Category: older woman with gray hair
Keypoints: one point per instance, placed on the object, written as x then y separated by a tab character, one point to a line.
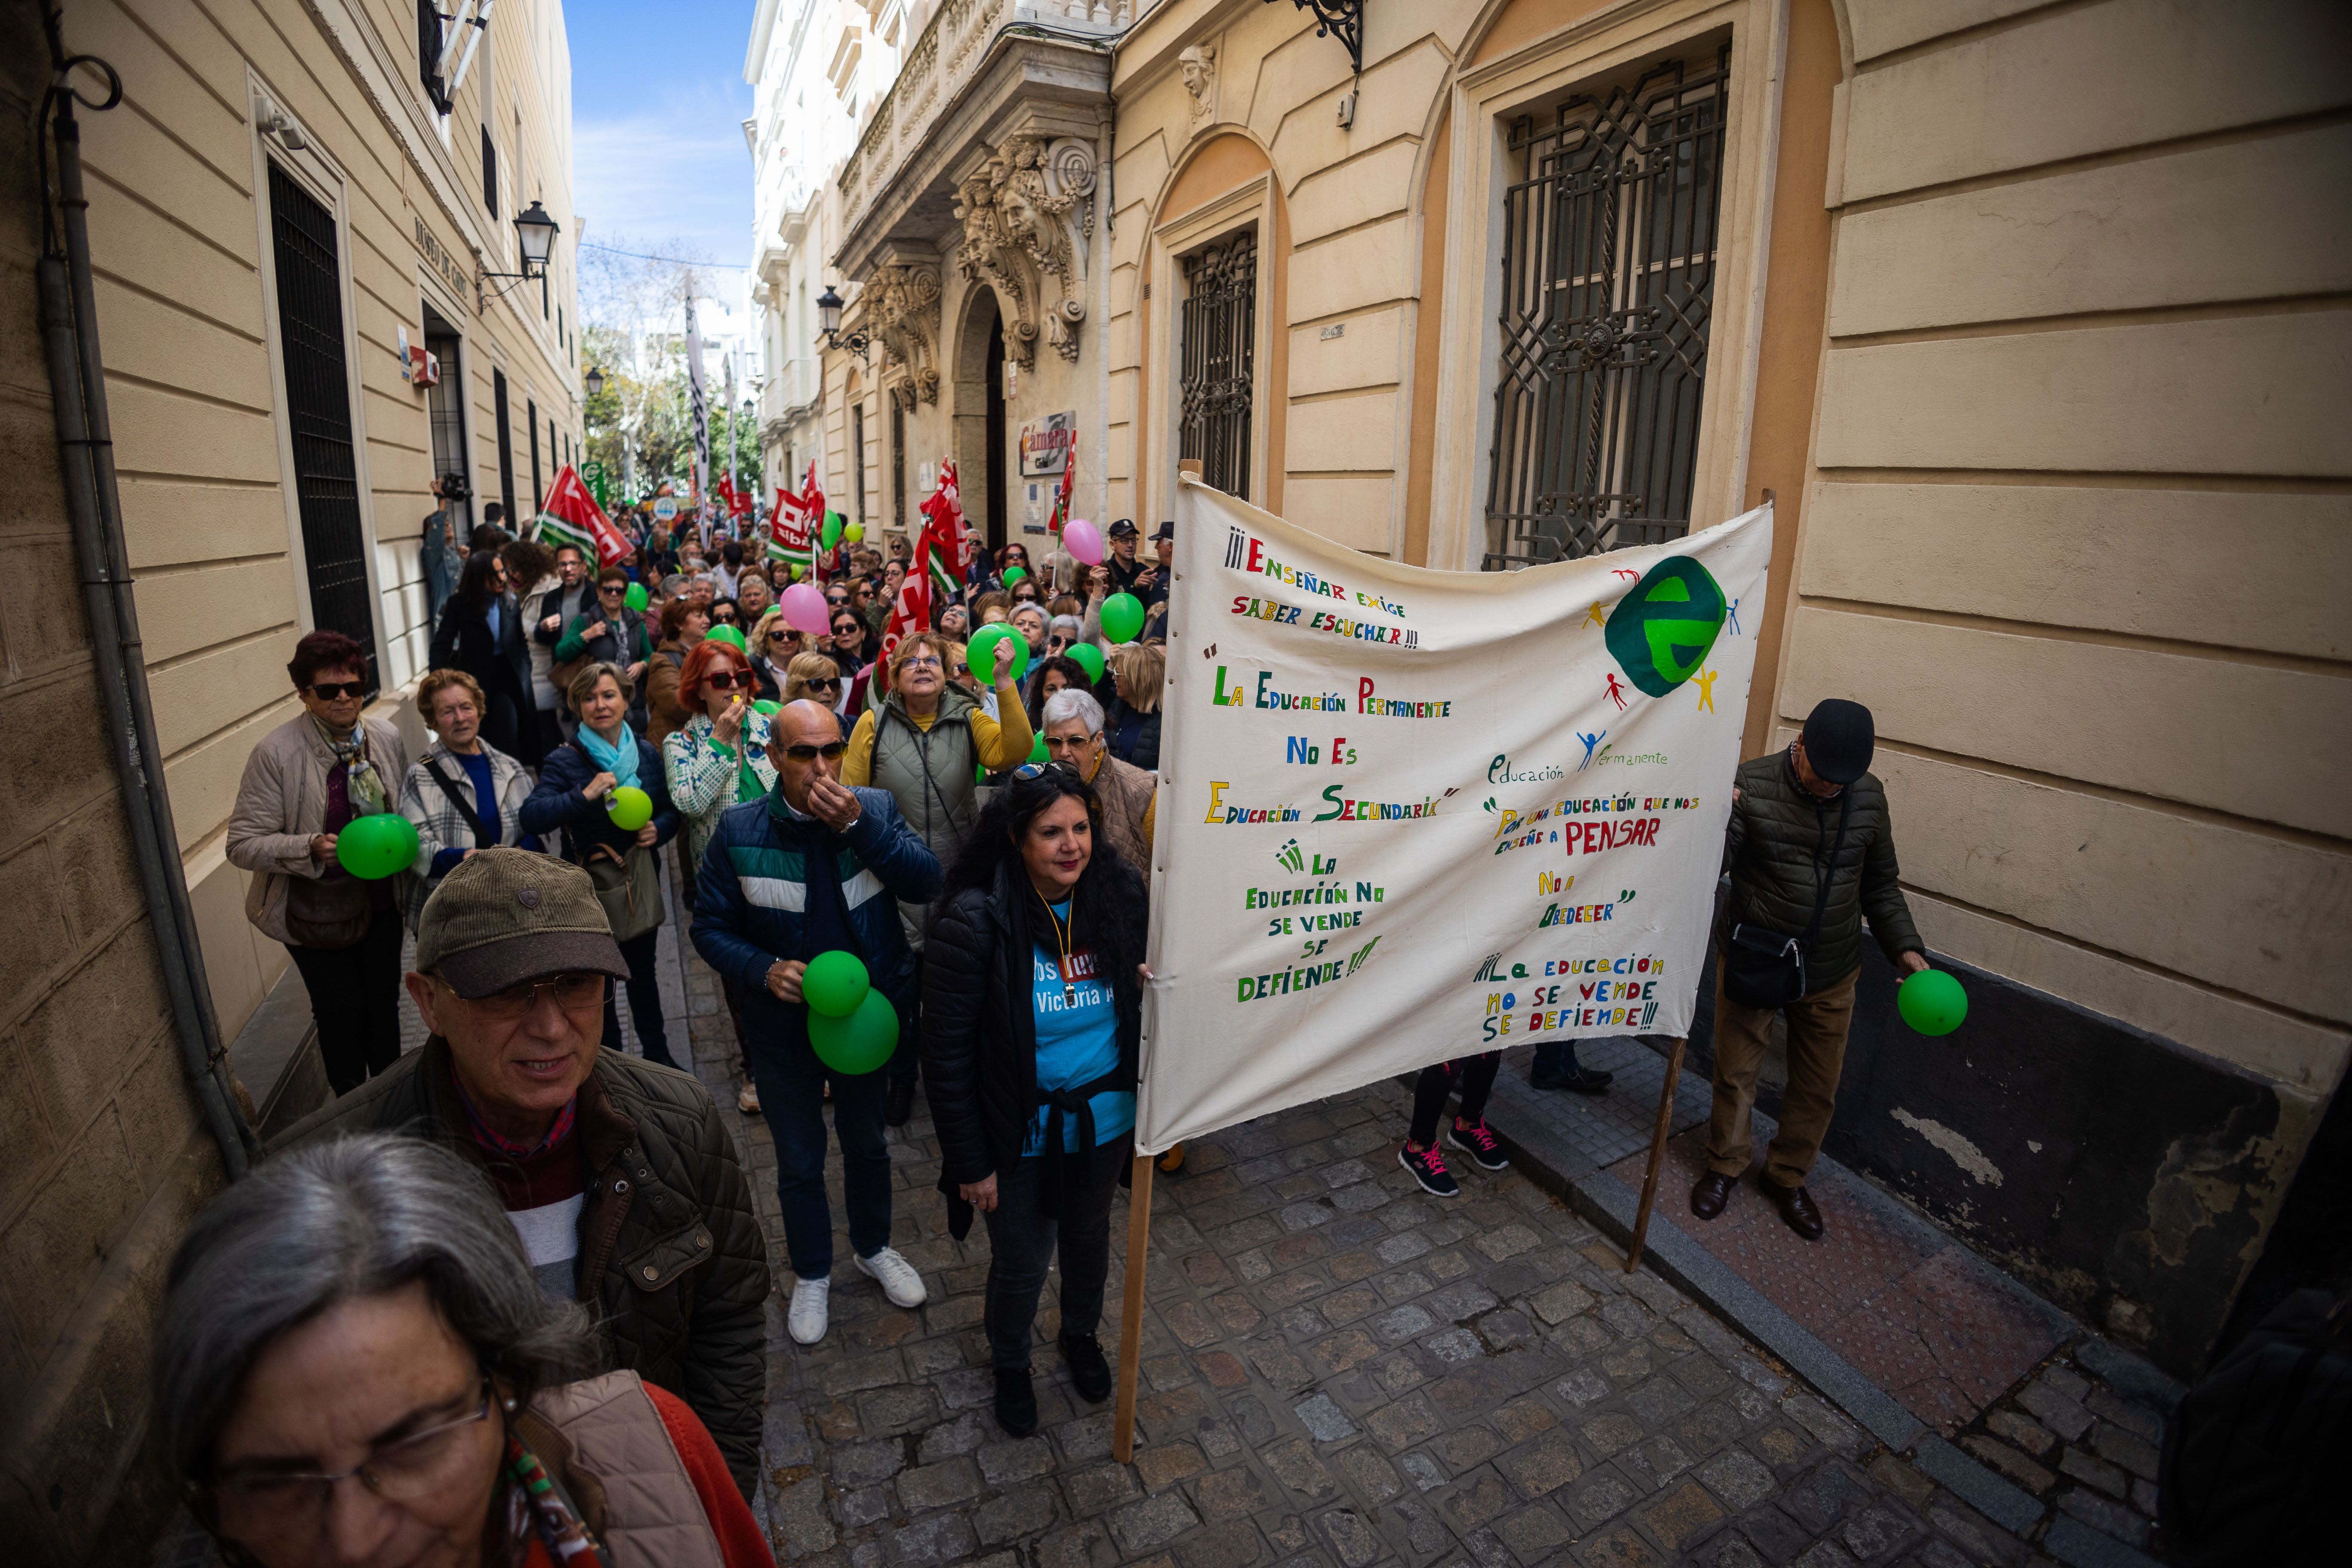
354	1364
1073	727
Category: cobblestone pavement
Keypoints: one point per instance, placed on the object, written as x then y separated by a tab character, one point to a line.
1337	1370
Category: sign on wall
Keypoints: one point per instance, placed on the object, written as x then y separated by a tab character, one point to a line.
1045	445
1407	815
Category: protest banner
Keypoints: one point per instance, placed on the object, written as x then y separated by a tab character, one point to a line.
1406	816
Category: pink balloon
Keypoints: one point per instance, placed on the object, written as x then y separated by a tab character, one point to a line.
805	607
1084	541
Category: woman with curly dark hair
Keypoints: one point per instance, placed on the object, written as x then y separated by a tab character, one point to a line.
1033	1020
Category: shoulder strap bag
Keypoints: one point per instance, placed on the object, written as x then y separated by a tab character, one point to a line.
628	884
1767	968
482	835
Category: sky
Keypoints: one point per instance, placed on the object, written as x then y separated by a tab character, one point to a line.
658	102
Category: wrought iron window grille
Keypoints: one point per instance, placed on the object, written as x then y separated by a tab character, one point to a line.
1217	374
1609	250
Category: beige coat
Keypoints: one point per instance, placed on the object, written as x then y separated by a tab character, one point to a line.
281	804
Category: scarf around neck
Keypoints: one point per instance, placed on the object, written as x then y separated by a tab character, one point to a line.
618	759
364	784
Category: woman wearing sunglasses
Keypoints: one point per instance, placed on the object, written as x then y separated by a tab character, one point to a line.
1033	1017
774	643
302	786
355	1364
815	678
719	760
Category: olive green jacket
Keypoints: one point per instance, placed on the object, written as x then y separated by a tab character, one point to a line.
671	1257
1778	840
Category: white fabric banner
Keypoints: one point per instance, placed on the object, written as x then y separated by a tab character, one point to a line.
1406	816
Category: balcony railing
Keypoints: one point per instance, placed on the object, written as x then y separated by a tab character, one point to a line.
946	58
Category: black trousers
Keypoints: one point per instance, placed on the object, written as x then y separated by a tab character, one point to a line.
355	1001
645	1001
1022	1242
1429	1093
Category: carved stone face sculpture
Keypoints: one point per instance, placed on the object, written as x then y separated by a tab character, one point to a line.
1198	66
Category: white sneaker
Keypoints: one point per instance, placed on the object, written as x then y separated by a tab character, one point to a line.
900	1280
810	1310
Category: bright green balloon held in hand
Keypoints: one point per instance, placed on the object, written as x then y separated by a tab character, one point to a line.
834	984
636	597
860	1043
1089	656
373	848
629	807
1122	617
1661	631
980	653
1932	1001
831	532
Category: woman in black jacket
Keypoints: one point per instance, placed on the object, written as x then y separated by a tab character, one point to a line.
1032	1018
481	634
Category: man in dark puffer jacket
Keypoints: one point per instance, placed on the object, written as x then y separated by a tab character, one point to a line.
618	1174
1793	814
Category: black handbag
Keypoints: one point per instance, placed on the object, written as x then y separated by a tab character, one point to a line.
1763	968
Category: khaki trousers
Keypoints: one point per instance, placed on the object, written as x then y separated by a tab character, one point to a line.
1817	1030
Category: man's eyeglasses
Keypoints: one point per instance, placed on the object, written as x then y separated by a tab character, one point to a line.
328	691
830	751
615	589
290	1505
572	993
729	679
725	617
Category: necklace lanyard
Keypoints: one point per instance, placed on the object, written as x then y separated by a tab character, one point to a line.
1061	939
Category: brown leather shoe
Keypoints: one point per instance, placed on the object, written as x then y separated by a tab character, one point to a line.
1797	1210
1713	1191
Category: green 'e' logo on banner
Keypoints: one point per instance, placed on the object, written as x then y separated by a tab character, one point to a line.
1661	632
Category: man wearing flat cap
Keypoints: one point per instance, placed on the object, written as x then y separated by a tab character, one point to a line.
1810	851
618	1174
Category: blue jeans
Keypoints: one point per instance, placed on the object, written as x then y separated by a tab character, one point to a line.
1554	1058
791	1082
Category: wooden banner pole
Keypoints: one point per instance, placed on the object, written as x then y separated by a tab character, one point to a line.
1658	1136
1130	1317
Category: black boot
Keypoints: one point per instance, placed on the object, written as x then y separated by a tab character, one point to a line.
1016	1401
1089	1372
898	1100
1579	1080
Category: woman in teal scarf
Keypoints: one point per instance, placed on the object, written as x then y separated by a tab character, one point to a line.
576	790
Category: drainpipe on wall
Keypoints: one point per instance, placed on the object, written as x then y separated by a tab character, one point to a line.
86	457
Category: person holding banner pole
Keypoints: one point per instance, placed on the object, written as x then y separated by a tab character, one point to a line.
1032	1027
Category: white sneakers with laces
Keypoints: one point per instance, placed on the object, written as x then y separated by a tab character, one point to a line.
810	1310
898	1278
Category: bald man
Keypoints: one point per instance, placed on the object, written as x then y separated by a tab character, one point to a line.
817	866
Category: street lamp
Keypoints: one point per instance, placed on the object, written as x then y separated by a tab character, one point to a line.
537	233
828	318
595	381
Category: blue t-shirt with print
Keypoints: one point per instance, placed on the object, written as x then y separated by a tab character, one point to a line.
1078	1042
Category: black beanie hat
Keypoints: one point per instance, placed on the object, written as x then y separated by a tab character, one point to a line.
1838	740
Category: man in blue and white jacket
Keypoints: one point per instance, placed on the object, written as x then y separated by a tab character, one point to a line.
816	866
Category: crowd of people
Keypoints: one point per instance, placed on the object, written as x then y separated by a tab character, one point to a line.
981	840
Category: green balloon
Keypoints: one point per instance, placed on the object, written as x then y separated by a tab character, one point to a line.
980	772
855	533
860	1043
1932	1001
629	807
636	597
1014	575
1038	752
980	653
1661	631
830	535
732	636
835	983
1122	617
768	707
1088	655
381	845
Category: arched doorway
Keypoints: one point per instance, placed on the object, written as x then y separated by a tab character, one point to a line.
980	420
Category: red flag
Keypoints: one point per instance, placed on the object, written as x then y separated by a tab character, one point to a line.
1061	492
939	550
572	517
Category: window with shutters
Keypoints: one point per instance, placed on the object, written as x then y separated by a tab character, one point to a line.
1608	243
504	412
319	412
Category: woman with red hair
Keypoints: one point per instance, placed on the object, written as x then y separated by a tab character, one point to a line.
718	759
